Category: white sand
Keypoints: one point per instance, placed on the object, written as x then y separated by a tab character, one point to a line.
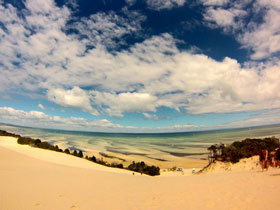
31	178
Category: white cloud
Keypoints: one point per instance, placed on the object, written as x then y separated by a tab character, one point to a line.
224	17
41	106
40	119
105	28
75	98
160	4
125	102
264	38
214	2
164	4
257	28
151	116
142	78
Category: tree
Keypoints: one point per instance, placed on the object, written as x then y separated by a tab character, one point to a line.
67	151
80	154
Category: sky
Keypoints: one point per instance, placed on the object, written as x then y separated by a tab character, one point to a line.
140	65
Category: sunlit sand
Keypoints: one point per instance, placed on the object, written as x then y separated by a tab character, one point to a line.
33	178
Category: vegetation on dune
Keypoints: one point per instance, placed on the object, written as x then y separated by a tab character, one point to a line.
38	143
5	133
137	167
143	168
241	149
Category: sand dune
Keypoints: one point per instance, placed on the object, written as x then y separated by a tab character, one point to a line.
31	178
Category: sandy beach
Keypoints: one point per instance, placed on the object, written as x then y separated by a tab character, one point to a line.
33	178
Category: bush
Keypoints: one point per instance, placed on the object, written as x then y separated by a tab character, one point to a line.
242	149
74	153
5	133
67	151
116	165
93	158
38	143
80	154
143	168
25	140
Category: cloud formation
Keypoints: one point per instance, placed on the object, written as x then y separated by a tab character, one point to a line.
40	119
87	70
164	4
75	98
243	19
160	4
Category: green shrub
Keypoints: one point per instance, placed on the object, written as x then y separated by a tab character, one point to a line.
80	154
74	153
25	140
67	151
143	168
5	133
242	149
93	158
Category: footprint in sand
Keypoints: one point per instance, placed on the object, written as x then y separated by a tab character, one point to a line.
37	204
72	207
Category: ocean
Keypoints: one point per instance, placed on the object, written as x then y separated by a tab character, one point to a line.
164	149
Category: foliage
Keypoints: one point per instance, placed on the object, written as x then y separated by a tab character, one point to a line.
67	151
242	149
38	143
77	154
143	168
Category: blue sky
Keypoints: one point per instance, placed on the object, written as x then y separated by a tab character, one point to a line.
140	65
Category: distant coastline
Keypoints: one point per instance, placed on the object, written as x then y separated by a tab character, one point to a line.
185	150
78	132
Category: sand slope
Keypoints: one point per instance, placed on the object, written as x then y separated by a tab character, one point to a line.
27	182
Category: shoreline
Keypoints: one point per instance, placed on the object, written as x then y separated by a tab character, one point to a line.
152	151
128	150
111	157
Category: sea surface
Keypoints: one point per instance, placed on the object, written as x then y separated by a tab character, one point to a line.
164	147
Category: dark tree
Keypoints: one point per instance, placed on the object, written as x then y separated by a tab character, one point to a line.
67	151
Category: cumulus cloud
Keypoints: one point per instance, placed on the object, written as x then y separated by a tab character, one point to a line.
125	102
224	17
38	55
75	98
40	119
264	39
257	29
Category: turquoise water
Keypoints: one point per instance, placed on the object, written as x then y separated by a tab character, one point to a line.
161	147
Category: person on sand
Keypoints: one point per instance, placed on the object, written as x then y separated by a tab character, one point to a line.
263	154
276	157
